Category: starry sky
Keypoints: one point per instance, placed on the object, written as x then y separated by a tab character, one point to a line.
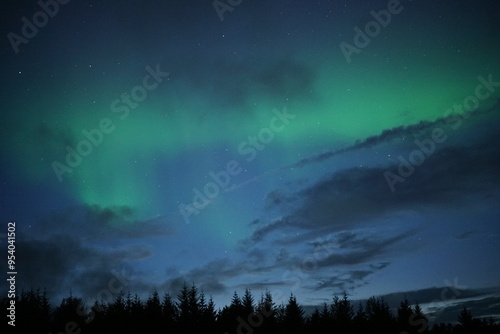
311	147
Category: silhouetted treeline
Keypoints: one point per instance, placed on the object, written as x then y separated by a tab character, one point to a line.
191	312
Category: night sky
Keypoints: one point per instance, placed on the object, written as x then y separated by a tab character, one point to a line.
311	147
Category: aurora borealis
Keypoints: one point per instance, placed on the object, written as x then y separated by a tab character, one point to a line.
248	151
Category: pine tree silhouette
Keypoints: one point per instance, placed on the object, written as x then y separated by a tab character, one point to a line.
72	310
404	313
33	311
468	324
153	313
208	315
267	309
185	310
294	316
192	313
379	317
170	313
247	303
342	313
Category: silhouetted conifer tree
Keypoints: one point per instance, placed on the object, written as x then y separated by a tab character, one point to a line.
96	319
33	312
247	303
404	312
379	317
294	316
153	313
467	323
72	310
137	313
280	314
342	313
418	321
184	309
117	316
208	315
170	313
194	304
360	320
267	309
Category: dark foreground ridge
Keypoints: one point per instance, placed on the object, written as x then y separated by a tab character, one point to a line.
190	312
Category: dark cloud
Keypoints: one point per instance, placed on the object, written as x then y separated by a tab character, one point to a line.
231	85
278	198
466	235
213	275
263	285
93	222
336	262
344	280
260	232
360	195
361	250
287	78
254	222
347	281
208	76
47	263
53	135
343	261
132	252
397	134
62	263
334	203
209	277
332	220
66	251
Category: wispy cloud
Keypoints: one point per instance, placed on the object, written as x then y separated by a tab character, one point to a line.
397	134
359	195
